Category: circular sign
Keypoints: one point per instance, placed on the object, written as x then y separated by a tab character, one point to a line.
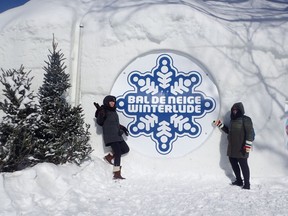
168	102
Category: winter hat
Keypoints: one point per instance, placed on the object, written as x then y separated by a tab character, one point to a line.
108	99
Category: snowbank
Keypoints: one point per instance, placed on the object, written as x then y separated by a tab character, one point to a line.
88	190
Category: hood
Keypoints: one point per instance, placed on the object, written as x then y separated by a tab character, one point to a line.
239	106
106	101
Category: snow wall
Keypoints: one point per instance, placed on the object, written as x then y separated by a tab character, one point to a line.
247	62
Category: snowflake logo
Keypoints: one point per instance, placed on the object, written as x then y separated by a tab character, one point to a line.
165	104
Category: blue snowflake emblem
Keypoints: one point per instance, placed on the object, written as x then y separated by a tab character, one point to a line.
165	104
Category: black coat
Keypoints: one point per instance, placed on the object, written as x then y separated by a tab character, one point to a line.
239	131
108	118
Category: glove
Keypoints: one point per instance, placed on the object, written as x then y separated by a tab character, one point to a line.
247	147
124	129
99	109
218	123
96	105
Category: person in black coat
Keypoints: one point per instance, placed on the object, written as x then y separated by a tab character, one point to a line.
107	117
240	137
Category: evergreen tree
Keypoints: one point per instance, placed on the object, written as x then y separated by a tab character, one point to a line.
17	129
64	135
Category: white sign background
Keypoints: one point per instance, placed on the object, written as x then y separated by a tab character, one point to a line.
184	64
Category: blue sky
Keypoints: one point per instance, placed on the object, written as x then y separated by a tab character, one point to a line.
8	4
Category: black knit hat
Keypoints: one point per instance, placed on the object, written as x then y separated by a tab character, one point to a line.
108	99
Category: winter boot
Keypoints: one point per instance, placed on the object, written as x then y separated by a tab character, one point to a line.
108	158
238	182
246	186
117	172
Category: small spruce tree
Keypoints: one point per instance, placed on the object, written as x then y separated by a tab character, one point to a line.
17	129
64	135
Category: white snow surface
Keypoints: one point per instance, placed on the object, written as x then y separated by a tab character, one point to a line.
244	46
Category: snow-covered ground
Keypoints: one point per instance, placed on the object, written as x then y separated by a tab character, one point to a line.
243	45
88	191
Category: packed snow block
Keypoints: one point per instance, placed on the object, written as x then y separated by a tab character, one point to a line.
242	57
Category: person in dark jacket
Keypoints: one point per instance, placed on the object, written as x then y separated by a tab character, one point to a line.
240	137
108	118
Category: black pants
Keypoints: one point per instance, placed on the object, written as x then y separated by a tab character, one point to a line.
243	162
119	148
